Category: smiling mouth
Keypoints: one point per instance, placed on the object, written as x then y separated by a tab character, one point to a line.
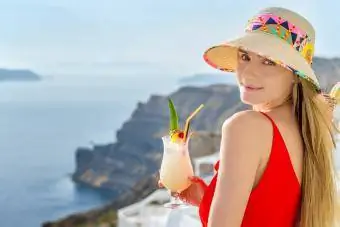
251	88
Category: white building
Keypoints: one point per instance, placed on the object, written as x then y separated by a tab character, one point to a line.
146	213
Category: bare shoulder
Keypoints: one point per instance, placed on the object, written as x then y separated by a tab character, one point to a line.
250	131
247	121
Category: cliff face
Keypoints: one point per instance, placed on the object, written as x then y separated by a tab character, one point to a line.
129	167
327	71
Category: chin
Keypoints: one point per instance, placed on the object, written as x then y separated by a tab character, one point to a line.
251	100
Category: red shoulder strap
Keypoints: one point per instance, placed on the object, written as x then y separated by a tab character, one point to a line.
271	120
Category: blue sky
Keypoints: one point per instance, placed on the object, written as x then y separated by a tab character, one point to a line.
104	36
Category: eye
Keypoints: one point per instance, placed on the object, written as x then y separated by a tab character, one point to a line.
269	62
245	57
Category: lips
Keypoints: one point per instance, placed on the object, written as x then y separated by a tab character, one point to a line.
252	88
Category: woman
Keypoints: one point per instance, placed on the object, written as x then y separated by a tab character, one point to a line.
276	163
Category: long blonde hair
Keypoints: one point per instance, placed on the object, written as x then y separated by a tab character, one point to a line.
319	195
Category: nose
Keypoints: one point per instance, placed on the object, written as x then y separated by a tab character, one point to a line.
249	72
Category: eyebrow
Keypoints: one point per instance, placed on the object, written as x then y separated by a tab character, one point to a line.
243	51
263	58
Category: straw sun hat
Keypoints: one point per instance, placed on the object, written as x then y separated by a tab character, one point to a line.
276	33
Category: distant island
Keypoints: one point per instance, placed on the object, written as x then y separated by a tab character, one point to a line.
18	75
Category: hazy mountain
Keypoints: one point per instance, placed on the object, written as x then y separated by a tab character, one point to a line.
204	79
18	75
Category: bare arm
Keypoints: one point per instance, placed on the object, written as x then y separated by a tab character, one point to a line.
245	137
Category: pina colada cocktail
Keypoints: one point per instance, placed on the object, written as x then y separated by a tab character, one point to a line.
176	165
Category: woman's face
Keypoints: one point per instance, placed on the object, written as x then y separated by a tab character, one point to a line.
262	81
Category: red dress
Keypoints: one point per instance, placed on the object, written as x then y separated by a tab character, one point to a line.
275	201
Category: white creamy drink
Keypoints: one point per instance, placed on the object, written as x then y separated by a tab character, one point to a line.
176	166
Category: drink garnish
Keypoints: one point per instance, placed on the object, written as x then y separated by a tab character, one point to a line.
175	133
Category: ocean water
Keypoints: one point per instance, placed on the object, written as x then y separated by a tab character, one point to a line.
41	125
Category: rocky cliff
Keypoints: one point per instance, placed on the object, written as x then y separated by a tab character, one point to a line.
327	70
129	167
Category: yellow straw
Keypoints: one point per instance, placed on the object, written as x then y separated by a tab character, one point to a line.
187	122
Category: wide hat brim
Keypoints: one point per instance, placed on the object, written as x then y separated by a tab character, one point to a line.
224	56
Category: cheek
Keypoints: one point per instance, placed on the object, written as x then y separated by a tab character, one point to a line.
238	76
240	69
279	86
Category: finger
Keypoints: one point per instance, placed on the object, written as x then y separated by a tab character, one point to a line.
185	199
194	179
181	197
